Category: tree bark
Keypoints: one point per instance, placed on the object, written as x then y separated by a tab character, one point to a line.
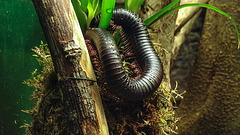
211	104
83	105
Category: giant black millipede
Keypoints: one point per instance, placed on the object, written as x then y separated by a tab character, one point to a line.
134	32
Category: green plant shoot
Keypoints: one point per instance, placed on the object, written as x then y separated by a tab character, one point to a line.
133	5
106	13
84	4
93	9
81	15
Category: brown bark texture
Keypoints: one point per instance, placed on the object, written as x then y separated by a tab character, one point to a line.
83	107
212	102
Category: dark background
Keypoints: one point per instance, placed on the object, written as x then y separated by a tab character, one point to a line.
20	31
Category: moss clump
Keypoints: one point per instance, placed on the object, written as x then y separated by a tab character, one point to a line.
48	108
154	115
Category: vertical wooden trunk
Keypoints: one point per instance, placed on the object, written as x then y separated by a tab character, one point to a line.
81	98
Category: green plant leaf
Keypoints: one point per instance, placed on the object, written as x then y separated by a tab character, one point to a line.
216	9
90	13
133	5
92	7
83	4
97	6
81	16
117	37
106	13
159	14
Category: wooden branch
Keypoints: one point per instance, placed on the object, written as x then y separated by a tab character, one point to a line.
83	105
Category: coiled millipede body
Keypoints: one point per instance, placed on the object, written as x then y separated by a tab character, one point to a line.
135	38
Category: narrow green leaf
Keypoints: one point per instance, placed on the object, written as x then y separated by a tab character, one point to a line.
84	4
95	3
116	37
81	16
90	13
158	15
155	17
127	2
133	5
93	8
106	13
99	7
236	31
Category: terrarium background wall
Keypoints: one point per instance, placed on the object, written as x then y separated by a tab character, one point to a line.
20	31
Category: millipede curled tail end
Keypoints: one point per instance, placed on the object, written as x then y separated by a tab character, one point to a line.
134	33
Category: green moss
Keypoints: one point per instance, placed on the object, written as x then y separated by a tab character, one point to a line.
48	108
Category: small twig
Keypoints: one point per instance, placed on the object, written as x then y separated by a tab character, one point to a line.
164	124
172	121
79	78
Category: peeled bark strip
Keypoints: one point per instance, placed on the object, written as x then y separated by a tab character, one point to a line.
186	19
83	105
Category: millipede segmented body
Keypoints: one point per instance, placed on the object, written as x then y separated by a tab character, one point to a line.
135	38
